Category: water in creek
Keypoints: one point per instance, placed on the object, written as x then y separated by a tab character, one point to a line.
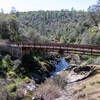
62	64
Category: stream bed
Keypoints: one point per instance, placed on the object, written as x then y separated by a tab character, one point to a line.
61	65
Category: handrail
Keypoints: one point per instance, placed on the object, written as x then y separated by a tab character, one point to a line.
58	45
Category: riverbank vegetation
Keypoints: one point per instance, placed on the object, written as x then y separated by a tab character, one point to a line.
20	75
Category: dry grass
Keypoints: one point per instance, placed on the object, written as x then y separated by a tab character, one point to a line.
51	88
88	89
48	91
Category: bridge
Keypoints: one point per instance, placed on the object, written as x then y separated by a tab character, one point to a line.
17	49
58	47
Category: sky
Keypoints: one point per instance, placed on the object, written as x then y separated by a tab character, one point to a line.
31	5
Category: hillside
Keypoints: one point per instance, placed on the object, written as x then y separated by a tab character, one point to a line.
51	26
60	26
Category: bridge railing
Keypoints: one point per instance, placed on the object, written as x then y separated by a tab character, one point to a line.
57	45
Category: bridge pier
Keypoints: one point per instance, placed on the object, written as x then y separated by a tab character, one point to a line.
16	52
25	50
61	51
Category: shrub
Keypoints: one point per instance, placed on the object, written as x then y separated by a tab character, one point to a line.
85	57
11	75
48	91
90	61
59	81
25	79
29	65
97	61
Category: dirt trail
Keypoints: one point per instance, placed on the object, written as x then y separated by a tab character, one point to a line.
88	89
84	87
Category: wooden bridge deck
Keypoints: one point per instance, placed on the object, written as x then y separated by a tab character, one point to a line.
66	48
16	49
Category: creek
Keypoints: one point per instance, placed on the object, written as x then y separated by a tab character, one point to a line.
59	66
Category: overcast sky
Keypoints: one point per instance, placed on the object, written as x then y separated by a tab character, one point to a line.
30	5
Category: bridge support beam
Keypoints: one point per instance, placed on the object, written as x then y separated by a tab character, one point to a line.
26	51
61	51
16	52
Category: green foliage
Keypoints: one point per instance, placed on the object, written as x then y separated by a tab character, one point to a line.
29	65
6	66
90	61
60	26
93	30
97	61
56	26
96	72
51	26
9	26
85	57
